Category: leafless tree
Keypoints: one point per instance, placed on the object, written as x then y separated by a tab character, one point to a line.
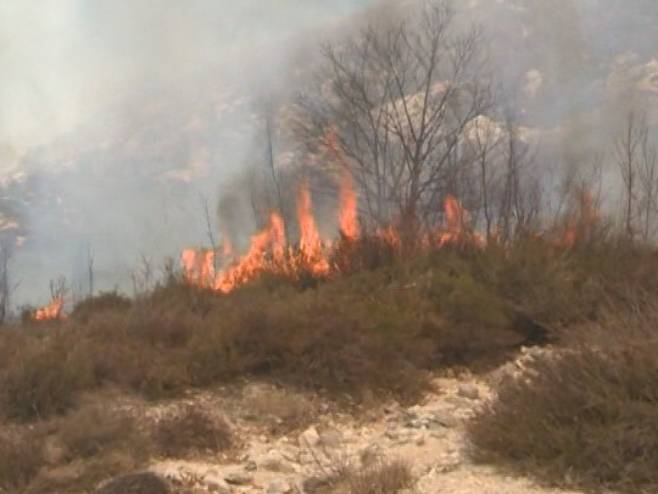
5	288
631	150
90	269
484	140
648	175
519	198
210	231
398	96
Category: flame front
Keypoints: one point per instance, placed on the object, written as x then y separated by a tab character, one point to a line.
255	261
268	250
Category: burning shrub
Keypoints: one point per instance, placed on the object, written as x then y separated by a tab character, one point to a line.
586	416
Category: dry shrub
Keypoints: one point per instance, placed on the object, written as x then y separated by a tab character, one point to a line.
282	411
136	483
192	431
587	416
96	429
100	304
21	458
317	340
381	477
43	378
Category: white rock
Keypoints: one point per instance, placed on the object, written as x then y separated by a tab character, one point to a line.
470	391
278	487
238	478
309	438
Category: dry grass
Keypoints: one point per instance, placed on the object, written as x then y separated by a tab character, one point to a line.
71	454
381	477
282	411
21	458
192	431
374	331
587	417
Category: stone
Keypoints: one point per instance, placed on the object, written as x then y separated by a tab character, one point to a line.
135	483
238	478
278	487
468	390
309	438
445	419
251	466
274	461
332	438
218	486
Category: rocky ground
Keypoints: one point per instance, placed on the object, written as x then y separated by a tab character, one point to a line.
289	442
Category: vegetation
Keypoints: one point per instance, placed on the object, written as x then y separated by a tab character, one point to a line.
586	416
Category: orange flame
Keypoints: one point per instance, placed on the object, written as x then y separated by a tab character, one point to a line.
457	231
50	312
582	221
349	222
268	250
310	244
254	261
198	266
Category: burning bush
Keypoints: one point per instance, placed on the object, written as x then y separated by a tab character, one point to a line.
586	416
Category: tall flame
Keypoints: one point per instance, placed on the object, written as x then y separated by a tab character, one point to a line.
457	231
349	222
254	261
268	251
198	266
310	244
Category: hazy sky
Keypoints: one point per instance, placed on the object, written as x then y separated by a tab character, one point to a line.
64	61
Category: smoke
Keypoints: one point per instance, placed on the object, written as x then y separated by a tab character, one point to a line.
117	119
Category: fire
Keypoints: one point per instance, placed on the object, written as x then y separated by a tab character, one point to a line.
198	266
50	312
254	261
310	245
582	221
268	250
349	222
457	231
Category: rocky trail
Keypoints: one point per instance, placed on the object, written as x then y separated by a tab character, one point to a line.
428	436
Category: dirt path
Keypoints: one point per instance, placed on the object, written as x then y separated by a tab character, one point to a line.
428	436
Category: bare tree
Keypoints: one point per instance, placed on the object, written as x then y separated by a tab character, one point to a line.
399	95
5	288
484	140
648	175
90	269
210	231
519	198
629	153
